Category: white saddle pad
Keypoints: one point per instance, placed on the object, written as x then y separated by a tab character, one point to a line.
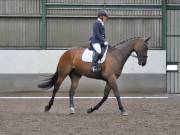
87	56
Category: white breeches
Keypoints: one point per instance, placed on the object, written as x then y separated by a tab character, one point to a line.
97	47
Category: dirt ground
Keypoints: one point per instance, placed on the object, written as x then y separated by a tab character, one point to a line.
146	117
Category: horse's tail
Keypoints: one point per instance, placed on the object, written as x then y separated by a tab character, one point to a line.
49	82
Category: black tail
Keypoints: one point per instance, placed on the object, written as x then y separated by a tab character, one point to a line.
49	82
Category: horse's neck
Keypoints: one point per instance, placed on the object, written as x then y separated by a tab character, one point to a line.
125	50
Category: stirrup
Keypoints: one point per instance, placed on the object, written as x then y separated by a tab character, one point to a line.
95	68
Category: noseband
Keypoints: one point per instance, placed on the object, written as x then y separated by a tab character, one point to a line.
139	56
142	56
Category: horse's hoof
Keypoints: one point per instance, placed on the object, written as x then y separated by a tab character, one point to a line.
124	113
46	108
90	110
72	110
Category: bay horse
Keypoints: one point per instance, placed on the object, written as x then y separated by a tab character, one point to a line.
70	64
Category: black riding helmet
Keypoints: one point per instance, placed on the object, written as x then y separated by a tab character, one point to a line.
103	13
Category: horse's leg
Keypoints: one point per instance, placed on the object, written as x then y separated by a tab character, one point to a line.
74	84
106	93
56	87
113	84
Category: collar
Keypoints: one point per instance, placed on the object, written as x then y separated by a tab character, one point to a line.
100	21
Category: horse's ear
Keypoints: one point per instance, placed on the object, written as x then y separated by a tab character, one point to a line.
147	39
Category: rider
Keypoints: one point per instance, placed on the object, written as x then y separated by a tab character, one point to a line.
98	38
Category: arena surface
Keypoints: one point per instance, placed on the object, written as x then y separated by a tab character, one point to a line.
146	117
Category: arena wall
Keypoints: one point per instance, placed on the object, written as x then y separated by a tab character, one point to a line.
22	70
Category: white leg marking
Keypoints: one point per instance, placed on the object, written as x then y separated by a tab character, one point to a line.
72	110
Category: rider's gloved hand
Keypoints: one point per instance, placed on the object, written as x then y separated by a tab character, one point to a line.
106	43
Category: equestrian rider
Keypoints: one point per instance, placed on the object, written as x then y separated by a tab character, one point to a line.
98	39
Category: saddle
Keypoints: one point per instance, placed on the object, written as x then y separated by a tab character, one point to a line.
87	55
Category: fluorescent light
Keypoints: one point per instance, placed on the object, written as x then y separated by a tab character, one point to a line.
173	67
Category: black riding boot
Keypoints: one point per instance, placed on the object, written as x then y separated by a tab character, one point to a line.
95	67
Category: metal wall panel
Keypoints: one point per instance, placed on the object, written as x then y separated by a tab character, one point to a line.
68	32
71	12
62	27
120	29
173	40
108	1
77	1
19	25
20	7
173	82
173	50
173	1
19	32
133	1
122	25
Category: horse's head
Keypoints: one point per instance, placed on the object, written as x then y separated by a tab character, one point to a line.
141	49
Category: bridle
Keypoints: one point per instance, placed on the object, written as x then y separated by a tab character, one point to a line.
141	56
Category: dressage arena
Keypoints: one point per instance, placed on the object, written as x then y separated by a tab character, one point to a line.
146	117
34	34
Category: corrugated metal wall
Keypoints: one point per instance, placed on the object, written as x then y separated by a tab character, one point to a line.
173	49
73	27
19	32
173	1
67	32
109	1
173	85
19	7
20	23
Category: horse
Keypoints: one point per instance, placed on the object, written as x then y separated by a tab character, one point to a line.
70	64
